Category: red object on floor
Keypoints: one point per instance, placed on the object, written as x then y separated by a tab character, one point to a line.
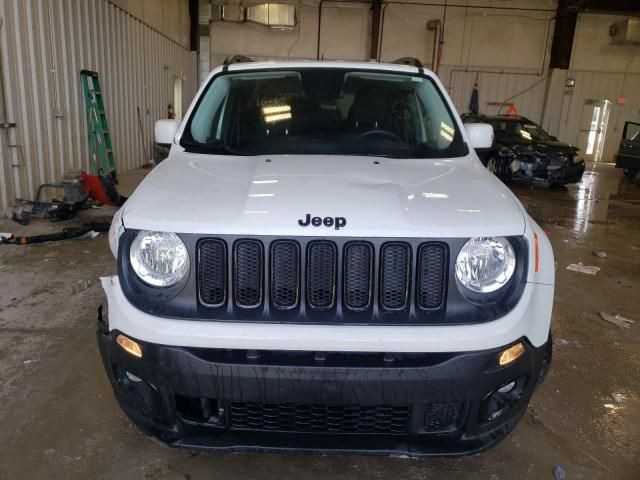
93	186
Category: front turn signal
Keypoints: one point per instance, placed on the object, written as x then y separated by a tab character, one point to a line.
130	346
511	354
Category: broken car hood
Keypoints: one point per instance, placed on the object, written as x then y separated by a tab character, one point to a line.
377	197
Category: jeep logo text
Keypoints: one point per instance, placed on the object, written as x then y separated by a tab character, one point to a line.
335	222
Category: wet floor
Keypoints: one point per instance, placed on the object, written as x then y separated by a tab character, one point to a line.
58	417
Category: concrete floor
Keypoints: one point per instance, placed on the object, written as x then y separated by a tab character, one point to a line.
59	419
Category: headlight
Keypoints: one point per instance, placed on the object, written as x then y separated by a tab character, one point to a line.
160	259
485	264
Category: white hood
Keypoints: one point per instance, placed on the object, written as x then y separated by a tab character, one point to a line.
378	197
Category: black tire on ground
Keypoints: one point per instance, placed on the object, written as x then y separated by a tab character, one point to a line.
630	172
494	166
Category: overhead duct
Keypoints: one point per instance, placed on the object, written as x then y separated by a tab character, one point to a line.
279	14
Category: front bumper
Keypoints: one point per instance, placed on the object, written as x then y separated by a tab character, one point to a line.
246	400
563	175
570	174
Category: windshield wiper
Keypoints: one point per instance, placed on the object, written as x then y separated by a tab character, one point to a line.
216	148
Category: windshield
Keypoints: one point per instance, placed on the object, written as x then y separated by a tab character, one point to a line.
323	111
517	131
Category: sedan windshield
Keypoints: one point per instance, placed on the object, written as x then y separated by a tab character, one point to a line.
518	131
323	111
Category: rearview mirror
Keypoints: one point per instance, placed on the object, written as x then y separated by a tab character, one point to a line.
165	131
480	135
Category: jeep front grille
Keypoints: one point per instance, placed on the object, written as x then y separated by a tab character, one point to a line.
358	275
248	268
212	272
285	274
432	260
308	277
321	275
395	261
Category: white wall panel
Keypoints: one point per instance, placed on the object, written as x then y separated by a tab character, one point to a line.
600	86
45	44
494	88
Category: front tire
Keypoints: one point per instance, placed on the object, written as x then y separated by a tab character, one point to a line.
492	166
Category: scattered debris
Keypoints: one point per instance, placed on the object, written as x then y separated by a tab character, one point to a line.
600	253
617	397
559	473
633	247
27	362
617	320
83	285
535	418
65	234
6	235
579	267
561	342
91	234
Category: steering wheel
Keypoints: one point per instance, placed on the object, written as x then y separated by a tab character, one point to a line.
394	137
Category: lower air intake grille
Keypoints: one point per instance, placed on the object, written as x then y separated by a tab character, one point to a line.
321	275
285	273
432	264
395	260
384	419
247	274
212	272
442	416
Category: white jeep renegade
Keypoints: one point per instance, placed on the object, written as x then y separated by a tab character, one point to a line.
323	263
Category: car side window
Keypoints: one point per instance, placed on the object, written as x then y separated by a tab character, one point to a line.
632	132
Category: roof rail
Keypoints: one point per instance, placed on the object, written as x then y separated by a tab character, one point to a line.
231	59
414	62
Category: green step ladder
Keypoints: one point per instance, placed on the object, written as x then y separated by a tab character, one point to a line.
102	161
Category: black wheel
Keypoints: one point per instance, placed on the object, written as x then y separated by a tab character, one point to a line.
492	166
630	172
499	169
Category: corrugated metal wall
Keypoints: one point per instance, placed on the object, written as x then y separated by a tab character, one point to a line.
45	44
494	88
600	86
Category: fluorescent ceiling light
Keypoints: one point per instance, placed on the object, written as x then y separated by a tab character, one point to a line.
277	117
276	109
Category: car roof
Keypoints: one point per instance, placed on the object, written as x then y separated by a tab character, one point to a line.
389	67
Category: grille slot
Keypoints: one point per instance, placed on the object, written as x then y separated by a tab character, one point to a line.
285	274
440	417
432	265
321	275
248	270
358	275
212	272
395	265
288	417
